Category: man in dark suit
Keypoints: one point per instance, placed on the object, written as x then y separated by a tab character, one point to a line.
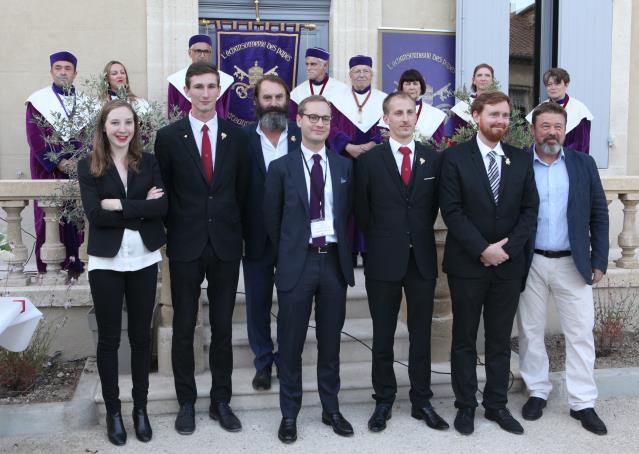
203	164
307	202
270	138
489	202
568	253
396	207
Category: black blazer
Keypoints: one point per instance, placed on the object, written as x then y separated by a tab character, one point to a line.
107	227
393	216
199	212
474	220
255	235
287	214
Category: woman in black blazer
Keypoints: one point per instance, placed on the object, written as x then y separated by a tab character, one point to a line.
123	199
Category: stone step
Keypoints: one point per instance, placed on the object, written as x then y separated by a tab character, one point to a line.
356	304
351	350
355	388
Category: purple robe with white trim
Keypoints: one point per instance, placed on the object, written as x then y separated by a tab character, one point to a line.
42	168
579	138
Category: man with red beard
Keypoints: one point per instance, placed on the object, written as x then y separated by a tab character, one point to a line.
489	202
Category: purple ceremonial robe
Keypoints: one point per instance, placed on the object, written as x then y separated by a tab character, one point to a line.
175	98
43	169
343	132
579	138
439	133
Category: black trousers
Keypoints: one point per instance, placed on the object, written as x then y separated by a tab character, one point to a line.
323	281
108	289
498	298
384	300
186	281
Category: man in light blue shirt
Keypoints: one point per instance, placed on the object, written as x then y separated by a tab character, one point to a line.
568	253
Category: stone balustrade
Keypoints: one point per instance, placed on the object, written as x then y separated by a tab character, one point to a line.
16	195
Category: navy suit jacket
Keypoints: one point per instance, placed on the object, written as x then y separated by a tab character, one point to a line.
587	214
287	214
255	235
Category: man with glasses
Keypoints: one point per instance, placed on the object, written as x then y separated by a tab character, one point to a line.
355	129
200	49
307	202
556	81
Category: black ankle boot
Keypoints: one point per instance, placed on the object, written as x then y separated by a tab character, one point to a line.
142	425
115	428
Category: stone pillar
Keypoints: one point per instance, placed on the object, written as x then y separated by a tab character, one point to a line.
627	238
169	26
83	253
14	208
354	25
52	252
442	327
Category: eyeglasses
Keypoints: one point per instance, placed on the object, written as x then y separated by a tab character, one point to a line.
201	51
358	72
314	118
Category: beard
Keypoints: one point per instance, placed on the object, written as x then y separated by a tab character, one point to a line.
493	133
273	118
550	150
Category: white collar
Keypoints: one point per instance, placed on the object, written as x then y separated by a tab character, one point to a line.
197	124
308	154
485	149
395	145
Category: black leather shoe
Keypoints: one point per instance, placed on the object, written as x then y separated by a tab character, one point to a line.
262	379
430	417
505	420
185	420
115	428
532	409
340	425
287	432
590	421
465	420
377	421
221	411
143	431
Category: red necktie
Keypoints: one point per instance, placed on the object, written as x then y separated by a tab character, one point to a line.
406	164
207	155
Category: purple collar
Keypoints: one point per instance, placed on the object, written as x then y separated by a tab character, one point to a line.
60	90
321	82
418	102
361	92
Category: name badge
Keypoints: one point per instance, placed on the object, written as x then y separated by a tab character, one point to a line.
321	227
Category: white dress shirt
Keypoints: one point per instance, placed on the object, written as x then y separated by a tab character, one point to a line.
328	187
196	127
399	157
270	152
485	149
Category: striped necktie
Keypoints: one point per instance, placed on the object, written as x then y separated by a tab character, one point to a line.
493	175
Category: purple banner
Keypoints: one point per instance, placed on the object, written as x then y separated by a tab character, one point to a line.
249	55
430	53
